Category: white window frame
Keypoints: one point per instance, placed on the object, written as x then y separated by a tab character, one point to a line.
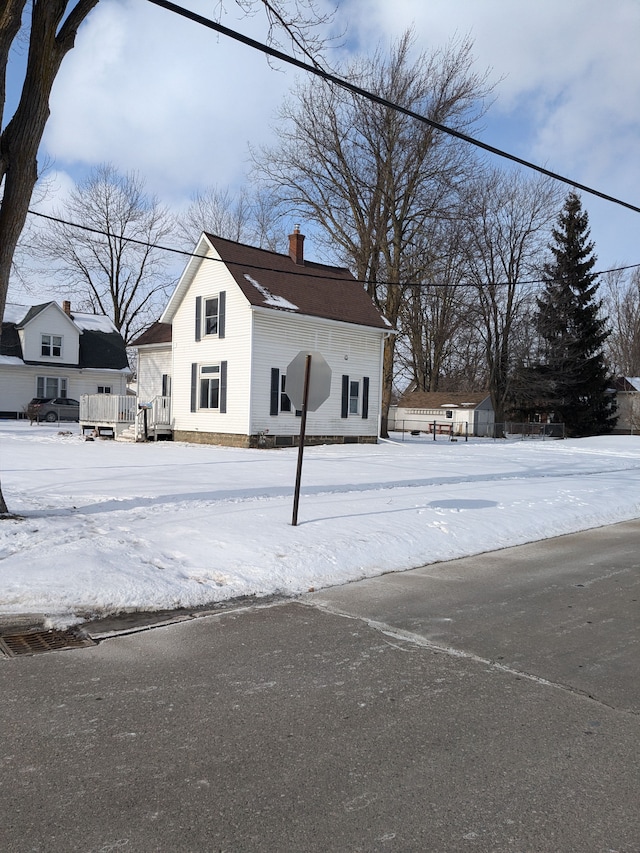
209	374
212	318
285	402
51	343
354	397
104	389
43	382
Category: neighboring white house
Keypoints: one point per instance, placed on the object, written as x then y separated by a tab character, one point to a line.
48	351
456	414
238	316
628	401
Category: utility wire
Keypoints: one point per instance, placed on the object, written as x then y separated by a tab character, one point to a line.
260	268
277	54
357	90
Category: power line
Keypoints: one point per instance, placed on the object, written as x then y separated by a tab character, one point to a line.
260	268
357	90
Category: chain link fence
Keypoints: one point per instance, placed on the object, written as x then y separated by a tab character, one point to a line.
463	430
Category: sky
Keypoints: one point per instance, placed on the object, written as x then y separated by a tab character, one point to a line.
107	526
159	95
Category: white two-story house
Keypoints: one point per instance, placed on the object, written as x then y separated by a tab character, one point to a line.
48	351
238	316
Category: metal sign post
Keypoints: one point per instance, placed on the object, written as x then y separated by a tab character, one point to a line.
307	385
303	424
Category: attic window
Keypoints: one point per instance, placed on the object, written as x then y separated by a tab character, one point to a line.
211	316
51	346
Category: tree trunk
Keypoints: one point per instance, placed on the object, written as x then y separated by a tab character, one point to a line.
20	140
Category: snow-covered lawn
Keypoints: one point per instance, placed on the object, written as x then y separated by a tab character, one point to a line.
109	526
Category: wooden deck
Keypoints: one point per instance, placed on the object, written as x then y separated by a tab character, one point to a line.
125	418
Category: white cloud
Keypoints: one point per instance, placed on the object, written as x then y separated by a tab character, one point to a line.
152	92
567	87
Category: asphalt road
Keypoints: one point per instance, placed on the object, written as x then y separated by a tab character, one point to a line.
487	704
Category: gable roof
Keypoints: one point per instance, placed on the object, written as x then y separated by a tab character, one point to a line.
442	399
157	333
627	383
275	282
100	344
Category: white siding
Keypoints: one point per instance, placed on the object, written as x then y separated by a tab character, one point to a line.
50	321
235	348
18	383
153	363
349	351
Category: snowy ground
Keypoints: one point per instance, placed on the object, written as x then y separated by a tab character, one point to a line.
108	526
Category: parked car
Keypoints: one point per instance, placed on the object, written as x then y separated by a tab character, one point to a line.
53	409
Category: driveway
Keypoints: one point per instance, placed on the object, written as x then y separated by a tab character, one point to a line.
488	704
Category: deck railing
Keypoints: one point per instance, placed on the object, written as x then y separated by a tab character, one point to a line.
115	409
108	408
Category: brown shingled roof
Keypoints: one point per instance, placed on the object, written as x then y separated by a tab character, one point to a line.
158	333
274	281
442	399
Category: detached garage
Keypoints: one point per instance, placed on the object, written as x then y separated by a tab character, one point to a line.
455	414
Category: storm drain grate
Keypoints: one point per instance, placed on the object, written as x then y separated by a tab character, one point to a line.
36	642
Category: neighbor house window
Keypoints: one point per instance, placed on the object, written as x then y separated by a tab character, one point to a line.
51	345
51	386
104	389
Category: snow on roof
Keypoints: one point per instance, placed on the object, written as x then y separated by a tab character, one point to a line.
269	298
14	313
10	359
634	380
93	323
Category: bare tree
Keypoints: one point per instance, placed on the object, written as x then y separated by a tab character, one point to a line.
434	316
622	303
509	222
372	178
51	30
244	217
112	265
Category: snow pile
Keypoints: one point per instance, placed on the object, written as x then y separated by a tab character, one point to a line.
109	526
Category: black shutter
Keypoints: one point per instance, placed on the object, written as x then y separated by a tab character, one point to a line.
194	387
275	391
223	387
198	318
365	396
222	310
345	397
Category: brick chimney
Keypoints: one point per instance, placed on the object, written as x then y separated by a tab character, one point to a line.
296	243
66	307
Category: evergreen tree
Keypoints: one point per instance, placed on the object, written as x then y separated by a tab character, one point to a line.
571	379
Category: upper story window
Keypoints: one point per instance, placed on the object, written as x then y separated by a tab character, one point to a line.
210	316
51	346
